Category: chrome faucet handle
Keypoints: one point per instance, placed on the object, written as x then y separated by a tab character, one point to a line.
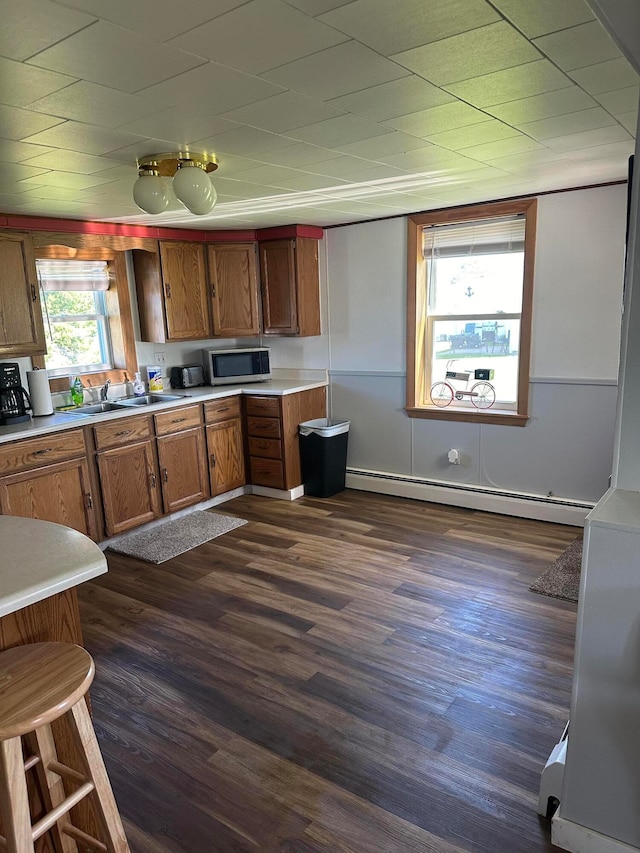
105	390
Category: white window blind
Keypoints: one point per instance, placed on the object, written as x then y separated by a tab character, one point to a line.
73	275
477	237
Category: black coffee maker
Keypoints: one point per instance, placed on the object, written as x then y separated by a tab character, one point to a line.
14	400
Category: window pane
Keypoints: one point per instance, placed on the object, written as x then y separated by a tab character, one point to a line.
476	284
469	345
65	303
76	331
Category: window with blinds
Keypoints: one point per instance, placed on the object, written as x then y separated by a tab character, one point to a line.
75	315
472	285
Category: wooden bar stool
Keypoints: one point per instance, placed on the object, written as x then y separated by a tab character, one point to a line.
40	683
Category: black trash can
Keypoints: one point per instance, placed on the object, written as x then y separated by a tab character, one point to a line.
323	454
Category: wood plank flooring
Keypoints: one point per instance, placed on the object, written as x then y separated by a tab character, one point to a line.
360	673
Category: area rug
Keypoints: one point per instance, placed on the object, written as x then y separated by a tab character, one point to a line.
167	540
562	578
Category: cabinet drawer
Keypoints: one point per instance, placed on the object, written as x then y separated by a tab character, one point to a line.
178	419
263	406
269	447
28	453
267	472
122	431
264	427
222	410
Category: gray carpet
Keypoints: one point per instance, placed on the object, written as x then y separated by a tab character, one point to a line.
562	578
167	540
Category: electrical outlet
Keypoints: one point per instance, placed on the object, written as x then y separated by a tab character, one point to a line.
160	358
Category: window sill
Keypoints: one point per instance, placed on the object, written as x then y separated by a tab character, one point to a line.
499	417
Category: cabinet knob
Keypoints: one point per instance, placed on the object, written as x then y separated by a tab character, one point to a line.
152	479
124	432
213	460
165	475
89	501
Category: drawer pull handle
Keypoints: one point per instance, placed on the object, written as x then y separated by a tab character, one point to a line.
89	501
124	432
178	420
152	478
167	290
43	451
213	460
225	409
165	475
34	295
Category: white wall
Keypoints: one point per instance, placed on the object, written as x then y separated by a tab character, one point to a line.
566	448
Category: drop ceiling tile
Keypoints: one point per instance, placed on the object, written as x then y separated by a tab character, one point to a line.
67	179
391	143
94	104
376	172
606	76
180	125
141	148
336	71
19	172
527	159
221	89
600	152
140	63
339	167
284	112
576	47
18	152
307	182
12	202
259	35
393	27
544	16
62	193
431	159
481	51
266	175
143	15
298	155
49	207
86	138
72	161
231	164
501	148
242	141
438	119
629	121
19	124
620	101
570	123
550	104
20	84
396	98
512	84
30	26
476	134
599	136
339	131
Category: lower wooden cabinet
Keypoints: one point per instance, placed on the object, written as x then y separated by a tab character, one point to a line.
130	488
48	478
183	469
226	456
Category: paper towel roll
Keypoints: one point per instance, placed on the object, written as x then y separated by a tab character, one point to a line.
40	393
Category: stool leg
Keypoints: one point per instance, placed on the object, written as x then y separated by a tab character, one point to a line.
14	799
52	791
95	771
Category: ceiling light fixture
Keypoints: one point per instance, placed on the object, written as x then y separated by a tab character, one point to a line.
191	183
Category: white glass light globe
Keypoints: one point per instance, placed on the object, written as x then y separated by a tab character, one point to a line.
150	194
194	189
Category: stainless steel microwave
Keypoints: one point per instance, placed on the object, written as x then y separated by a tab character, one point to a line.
235	366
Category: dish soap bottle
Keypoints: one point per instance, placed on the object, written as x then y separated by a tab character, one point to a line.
138	386
77	392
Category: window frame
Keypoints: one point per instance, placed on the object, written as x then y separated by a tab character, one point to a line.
418	404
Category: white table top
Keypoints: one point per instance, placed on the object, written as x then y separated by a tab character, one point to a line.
39	559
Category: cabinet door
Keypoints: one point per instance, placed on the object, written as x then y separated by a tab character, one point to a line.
21	328
129	482
277	269
226	456
185	291
183	469
234	289
60	493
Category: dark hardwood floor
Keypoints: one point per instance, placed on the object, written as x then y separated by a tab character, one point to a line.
360	673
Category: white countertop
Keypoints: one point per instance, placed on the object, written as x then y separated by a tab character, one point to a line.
39	559
66	420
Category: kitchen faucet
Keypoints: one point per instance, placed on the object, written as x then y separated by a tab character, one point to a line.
105	390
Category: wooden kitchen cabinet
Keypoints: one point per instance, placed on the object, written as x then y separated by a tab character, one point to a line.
182	458
21	327
290	287
171	286
48	478
128	473
272	435
233	276
225	445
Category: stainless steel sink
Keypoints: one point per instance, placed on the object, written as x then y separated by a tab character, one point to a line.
147	400
95	408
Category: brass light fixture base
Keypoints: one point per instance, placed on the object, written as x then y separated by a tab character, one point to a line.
166	165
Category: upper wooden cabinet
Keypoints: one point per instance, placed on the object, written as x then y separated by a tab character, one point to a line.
290	287
233	275
21	328
172	292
